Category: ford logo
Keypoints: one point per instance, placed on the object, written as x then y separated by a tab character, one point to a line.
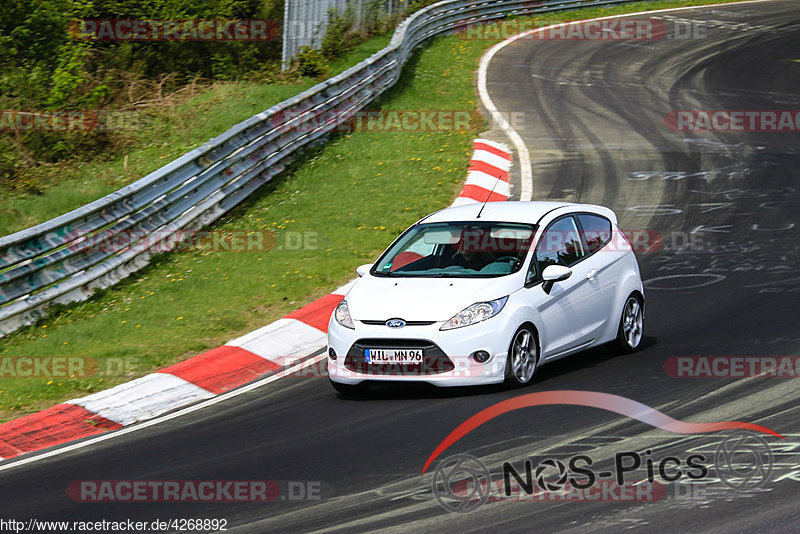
395	323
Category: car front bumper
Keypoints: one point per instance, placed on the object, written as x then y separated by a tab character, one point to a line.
448	351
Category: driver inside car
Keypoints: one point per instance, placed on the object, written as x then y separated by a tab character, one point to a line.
469	253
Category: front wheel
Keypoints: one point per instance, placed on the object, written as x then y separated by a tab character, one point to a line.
631	325
523	356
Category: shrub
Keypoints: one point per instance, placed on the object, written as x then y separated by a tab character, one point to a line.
336	38
311	62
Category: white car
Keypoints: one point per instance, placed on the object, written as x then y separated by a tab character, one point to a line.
482	294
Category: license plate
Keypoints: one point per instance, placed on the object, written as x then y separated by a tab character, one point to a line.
376	356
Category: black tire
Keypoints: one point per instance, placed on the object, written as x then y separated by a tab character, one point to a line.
350	390
631	325
516	374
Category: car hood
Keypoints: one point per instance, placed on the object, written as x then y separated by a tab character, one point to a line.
374	298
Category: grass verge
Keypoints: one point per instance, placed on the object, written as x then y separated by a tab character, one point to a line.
175	127
347	199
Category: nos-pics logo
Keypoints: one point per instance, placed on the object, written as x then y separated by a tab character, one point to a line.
461	483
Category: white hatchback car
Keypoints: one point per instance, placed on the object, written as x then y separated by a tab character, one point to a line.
482	294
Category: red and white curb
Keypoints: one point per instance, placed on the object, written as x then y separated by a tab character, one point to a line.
269	349
266	350
488	176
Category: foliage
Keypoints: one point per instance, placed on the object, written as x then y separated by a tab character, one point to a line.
336	33
43	68
311	62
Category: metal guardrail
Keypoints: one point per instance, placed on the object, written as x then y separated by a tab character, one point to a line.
55	262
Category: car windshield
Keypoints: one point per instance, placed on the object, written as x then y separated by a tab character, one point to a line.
457	249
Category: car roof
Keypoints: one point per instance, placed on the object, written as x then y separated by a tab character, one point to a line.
512	211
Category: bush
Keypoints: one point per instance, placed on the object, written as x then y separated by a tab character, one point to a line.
376	19
43	68
335	41
311	62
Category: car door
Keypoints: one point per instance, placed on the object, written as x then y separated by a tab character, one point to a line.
572	313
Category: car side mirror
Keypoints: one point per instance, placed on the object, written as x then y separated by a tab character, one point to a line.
553	274
361	270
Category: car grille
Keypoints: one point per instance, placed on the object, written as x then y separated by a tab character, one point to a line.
434	360
408	323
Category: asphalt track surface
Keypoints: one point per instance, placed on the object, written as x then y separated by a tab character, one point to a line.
594	124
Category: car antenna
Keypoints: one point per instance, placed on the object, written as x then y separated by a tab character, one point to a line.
487	198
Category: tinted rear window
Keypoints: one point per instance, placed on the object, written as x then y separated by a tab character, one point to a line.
596	230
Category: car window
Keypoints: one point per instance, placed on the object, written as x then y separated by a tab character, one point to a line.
458	249
417	248
560	244
596	231
532	273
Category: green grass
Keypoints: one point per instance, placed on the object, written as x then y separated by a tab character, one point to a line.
354	195
171	133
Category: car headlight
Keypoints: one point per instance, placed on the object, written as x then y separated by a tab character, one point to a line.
480	311
342	315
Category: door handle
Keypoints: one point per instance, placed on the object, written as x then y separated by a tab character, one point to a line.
591	274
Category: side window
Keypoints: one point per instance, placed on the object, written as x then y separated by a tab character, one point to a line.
560	244
596	231
532	272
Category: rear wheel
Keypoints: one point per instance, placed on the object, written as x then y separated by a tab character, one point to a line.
523	357
631	325
350	390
